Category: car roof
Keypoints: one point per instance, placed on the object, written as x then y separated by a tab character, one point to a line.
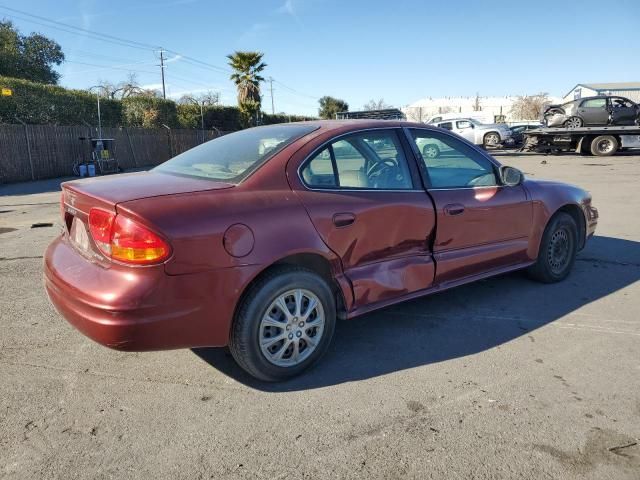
341	126
597	97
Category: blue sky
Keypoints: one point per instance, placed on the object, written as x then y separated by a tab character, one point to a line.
356	50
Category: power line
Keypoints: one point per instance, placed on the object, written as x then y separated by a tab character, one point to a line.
98	56
109	67
293	90
139	45
97	35
200	63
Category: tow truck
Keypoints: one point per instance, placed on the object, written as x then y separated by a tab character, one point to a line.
601	141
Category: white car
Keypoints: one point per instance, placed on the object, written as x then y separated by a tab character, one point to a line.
485	134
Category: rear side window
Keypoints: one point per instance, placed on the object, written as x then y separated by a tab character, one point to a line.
319	171
233	157
371	160
446	125
595	103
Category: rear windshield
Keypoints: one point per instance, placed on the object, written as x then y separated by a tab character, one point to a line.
233	157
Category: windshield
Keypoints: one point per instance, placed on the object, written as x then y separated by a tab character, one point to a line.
232	157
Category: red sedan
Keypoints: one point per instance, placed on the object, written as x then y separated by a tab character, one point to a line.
260	239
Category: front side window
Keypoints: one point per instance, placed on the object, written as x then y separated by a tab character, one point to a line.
619	102
463	124
369	160
233	157
456	164
595	103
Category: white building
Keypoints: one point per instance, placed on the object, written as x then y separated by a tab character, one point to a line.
484	109
631	90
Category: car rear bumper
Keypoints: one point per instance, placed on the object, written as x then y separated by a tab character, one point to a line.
141	308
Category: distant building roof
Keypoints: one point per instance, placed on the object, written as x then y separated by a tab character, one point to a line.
387	114
608	86
613	86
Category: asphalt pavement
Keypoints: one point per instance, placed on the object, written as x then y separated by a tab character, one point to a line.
504	378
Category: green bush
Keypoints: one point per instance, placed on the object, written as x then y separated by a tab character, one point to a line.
268	119
36	103
148	112
223	118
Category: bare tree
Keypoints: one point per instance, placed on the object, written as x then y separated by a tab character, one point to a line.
476	105
127	88
209	98
529	107
376	105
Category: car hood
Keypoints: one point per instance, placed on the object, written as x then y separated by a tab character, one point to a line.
495	126
134	186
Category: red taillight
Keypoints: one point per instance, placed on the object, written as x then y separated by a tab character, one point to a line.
125	240
133	243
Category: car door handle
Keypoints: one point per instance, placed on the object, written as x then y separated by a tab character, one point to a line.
454	209
343	219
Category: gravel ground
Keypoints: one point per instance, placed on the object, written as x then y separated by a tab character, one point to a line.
500	379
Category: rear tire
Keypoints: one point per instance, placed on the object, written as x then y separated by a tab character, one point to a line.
261	320
558	250
573	122
604	145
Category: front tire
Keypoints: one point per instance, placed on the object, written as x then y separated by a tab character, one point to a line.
491	139
284	324
558	250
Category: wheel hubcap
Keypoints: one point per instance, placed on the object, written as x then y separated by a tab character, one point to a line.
291	328
559	251
605	146
492	139
574	123
430	152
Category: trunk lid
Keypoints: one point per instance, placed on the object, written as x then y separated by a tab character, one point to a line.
80	196
134	186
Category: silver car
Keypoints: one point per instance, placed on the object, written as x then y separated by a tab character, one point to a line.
485	134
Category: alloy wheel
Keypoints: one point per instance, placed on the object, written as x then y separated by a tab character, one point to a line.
574	122
291	328
430	151
492	139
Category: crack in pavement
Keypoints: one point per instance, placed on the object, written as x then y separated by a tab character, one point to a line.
6	259
121	377
607	262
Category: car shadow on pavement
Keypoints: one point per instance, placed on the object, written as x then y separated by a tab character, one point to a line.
456	323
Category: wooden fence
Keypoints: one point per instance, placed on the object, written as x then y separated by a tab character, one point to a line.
33	152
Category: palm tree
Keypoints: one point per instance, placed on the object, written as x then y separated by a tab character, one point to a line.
247	67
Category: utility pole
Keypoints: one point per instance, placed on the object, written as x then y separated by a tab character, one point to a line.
164	93
202	119
99	116
273	109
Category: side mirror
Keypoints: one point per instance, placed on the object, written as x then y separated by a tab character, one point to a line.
511	177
